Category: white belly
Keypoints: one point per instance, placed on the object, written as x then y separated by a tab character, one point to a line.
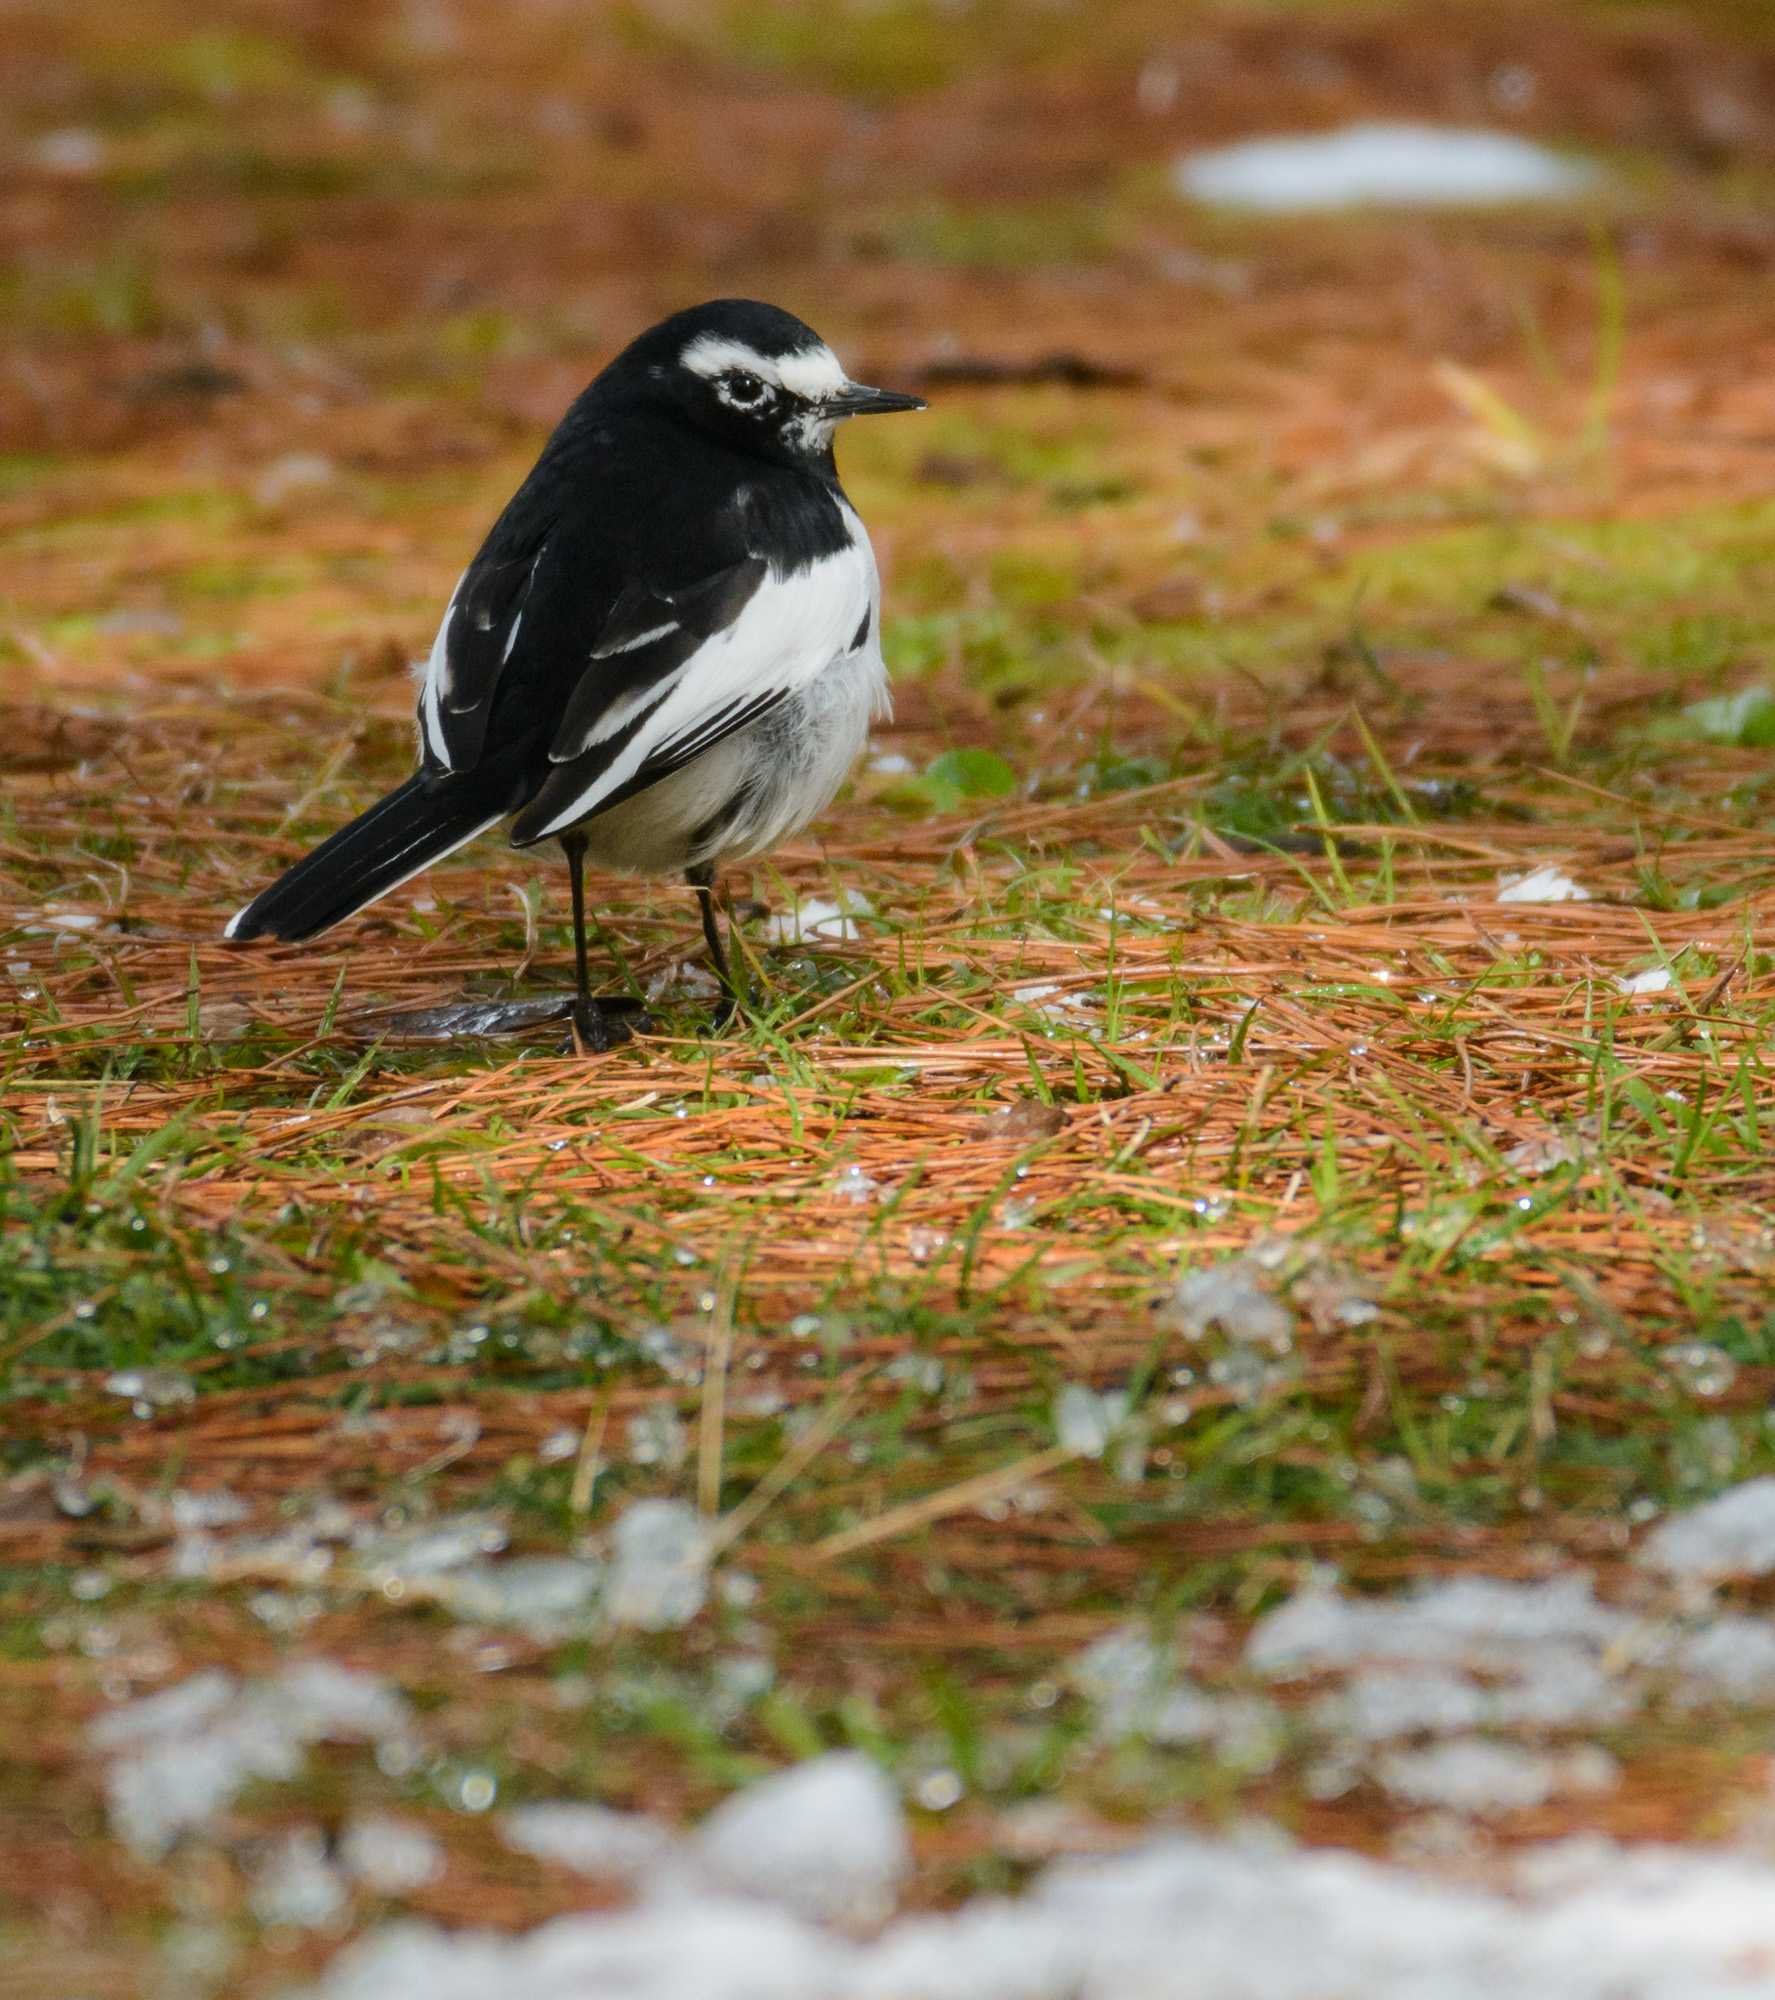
755	788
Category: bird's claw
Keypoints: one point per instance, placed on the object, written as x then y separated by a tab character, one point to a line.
720	1016
597	1026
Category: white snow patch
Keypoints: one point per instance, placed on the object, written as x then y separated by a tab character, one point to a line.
826	1839
152	1388
1471	1774
1380	1702
856	1186
1731	1536
389	1856
550	1597
393	1560
1045	995
182	1755
1656	979
710	1949
1729	1658
1232	1296
294	1883
1135	1693
591	1840
74	150
1406	165
815	919
1181	1919
659	1567
1725	718
1476	1652
1050	1002
1470	1620
1544	885
295	472
1085	1419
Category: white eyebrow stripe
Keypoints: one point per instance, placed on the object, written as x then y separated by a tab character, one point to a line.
810	372
710	355
815	372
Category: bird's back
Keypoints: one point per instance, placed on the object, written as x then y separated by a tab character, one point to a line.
623	495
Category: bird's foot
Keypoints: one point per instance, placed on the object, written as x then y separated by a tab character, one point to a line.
600	1025
720	1017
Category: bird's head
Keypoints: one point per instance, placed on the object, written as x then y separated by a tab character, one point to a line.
757	378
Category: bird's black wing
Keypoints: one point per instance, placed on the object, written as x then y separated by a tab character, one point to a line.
670	675
482	628
625	615
610	563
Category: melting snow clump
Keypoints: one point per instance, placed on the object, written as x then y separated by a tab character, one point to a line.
1473	1775
1416	166
180	1756
827	1839
856	1186
1656	979
393	1558
591	1840
1470	1621
1180	1919
1121	1675
658	1436
1231	1297
1544	885
1476	1653
550	1597
1381	1702
659	1570
1085	1419
1134	1691
295	1884
712	1949
1699	1367
1731	1536
389	1856
151	1389
815	919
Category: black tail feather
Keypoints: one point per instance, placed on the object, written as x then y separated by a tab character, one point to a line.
401	834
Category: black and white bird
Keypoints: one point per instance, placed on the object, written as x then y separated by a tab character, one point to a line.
666	654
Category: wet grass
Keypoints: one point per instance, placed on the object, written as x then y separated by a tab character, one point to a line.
1229	700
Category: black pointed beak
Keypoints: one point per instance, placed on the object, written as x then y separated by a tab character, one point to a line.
856	399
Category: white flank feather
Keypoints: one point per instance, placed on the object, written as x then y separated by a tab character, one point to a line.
792	629
813	372
435	685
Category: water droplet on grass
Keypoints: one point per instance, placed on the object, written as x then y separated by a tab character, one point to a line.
657	1436
937	1791
1700	1367
152	1389
1085	1419
854	1185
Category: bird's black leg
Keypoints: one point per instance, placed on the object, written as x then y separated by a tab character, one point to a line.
597	1023
702	880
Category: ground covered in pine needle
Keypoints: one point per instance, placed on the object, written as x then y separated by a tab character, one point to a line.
1257	1099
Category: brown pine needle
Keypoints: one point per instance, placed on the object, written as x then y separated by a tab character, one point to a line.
955	1499
589	1462
737	1521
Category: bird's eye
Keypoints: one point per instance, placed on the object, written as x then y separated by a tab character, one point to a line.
744	391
